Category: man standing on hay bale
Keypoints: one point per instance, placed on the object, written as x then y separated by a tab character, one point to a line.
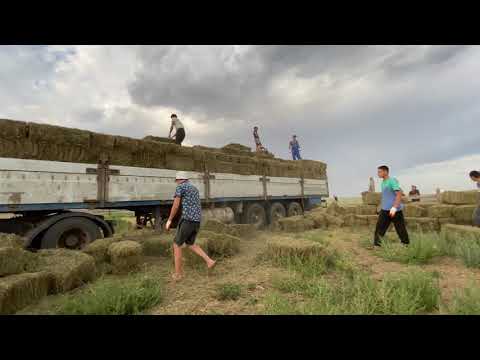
475	176
179	130
294	147
391	208
188	197
256	137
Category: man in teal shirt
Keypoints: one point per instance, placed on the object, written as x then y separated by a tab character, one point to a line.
391	208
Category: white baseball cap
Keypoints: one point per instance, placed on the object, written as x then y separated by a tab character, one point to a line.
181	175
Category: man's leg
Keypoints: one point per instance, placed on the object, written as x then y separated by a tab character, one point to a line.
199	251
294	156
177	254
383	223
400	228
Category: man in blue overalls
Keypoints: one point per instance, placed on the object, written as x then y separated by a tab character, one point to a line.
294	147
391	208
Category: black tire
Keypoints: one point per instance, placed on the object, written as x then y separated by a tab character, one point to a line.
256	215
71	233
277	211
294	209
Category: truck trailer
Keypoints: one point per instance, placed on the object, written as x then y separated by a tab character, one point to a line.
52	203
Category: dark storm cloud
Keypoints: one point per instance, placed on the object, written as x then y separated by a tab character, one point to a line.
407	114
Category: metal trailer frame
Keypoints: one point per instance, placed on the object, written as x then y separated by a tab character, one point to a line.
147	191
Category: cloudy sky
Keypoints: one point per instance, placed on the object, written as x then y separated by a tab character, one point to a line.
414	108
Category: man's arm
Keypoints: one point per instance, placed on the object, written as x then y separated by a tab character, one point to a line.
398	199
173	211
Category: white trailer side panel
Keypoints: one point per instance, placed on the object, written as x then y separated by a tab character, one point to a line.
231	185
278	186
39	182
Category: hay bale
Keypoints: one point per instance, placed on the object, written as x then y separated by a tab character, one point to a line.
411	210
453	232
244	231
296	224
372	198
14	260
219	227
360	220
283	250
350	210
333	221
19	291
335	209
319	219
460	197
220	244
125	256
159	139
422	224
440	211
444	221
11	240
69	268
157	246
99	249
193	260
464	214
366	210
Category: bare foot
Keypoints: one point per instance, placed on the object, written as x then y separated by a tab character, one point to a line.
212	264
177	277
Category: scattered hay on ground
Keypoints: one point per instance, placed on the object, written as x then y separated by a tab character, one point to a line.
19	291
69	268
244	231
125	256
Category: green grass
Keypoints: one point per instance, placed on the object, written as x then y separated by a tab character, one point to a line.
422	249
466	248
466	302
404	293
129	296
228	291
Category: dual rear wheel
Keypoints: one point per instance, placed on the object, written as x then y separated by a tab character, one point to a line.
257	215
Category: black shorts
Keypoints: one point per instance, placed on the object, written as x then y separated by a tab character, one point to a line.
180	136
187	232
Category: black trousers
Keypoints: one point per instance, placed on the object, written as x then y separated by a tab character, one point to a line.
180	136
383	223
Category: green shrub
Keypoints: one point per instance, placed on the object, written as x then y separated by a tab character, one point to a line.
466	302
114	297
228	291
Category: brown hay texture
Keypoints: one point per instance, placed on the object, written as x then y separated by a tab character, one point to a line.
440	211
453	232
69	268
463	214
19	291
371	198
422	224
125	256
11	240
283	249
411	210
14	260
460	197
99	249
296	224
222	245
47	142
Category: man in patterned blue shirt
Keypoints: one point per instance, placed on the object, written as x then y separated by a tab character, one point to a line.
188	197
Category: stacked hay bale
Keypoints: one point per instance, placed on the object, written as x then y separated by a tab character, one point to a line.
460	197
47	142
453	232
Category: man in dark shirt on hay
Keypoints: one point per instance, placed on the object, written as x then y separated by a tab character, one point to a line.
188	197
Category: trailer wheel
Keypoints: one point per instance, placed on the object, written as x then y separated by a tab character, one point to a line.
294	209
70	233
277	211
256	215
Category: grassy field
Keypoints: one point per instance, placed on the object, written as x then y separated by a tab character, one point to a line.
337	273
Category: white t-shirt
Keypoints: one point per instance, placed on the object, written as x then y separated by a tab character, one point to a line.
177	124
